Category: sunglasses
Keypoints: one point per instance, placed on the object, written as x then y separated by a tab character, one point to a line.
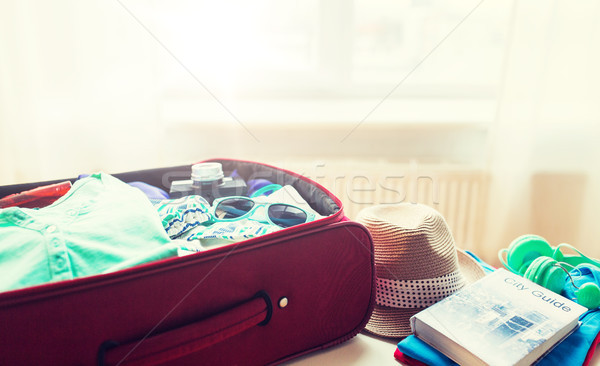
239	207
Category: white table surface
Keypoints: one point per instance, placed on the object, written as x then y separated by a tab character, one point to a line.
365	349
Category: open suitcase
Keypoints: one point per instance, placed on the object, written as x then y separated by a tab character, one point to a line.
261	301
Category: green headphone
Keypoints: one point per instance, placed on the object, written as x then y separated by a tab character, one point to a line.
532	257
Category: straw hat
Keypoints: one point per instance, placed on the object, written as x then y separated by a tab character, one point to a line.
416	264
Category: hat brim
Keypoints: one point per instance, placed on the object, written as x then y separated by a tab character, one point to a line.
392	322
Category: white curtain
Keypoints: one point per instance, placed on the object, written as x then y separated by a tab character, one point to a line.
545	144
77	90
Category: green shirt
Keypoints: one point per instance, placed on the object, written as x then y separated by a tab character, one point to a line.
100	225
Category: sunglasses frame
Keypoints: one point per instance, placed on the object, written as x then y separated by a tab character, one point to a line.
309	216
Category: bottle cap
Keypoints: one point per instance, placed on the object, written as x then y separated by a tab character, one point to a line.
207	172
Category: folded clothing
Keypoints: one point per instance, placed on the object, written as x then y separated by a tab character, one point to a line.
180	215
100	225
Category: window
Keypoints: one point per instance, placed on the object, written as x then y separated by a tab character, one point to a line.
271	61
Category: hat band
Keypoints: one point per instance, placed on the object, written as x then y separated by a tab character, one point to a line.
417	293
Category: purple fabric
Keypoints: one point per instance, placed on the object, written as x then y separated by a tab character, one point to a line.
151	191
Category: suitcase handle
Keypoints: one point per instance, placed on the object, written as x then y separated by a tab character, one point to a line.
179	342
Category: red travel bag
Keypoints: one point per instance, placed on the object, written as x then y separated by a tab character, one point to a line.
260	301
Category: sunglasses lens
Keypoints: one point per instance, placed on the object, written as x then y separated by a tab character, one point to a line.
286	216
233	208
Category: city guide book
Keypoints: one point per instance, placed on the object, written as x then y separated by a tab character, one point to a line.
502	319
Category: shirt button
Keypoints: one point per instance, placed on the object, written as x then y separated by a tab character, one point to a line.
60	262
51	229
55	242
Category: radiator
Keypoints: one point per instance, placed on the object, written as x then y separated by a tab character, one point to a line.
458	193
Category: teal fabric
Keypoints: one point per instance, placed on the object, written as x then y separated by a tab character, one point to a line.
181	215
100	225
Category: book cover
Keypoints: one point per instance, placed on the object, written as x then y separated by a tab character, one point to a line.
502	319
